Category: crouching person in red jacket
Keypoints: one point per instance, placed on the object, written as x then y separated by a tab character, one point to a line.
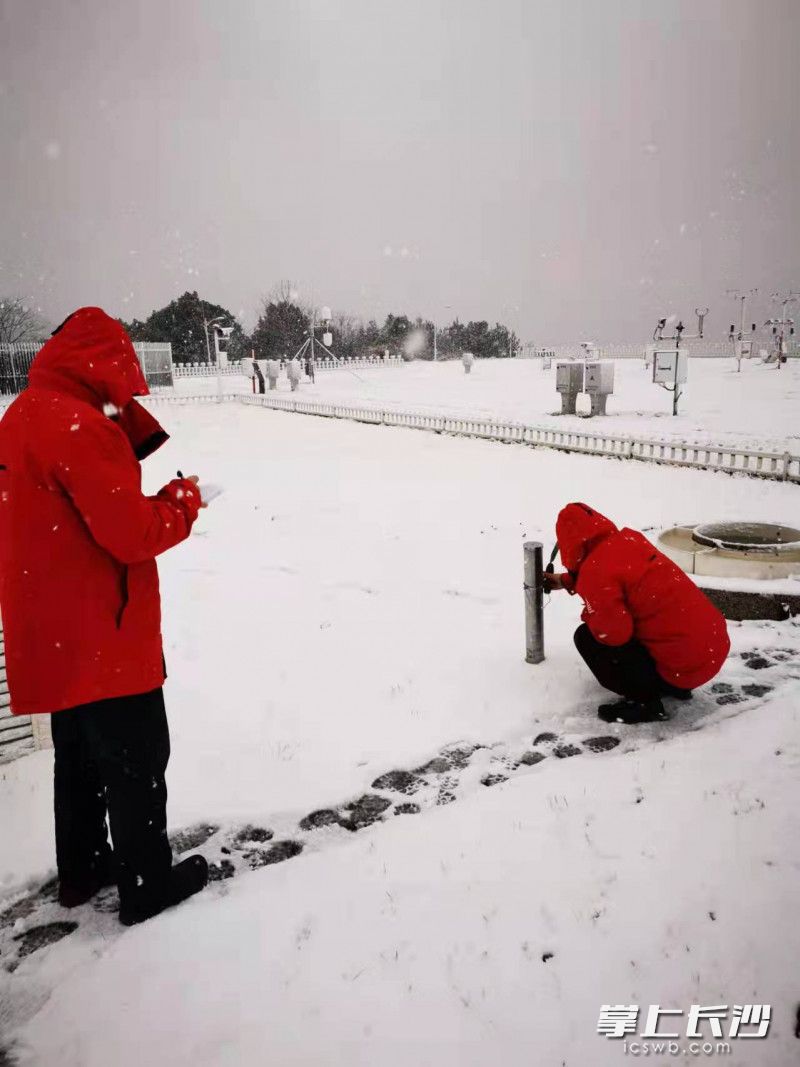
81	611
648	632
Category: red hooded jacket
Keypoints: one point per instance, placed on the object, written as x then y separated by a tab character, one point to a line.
632	591
78	580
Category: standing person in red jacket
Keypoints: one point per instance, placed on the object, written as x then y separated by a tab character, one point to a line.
81	611
648	632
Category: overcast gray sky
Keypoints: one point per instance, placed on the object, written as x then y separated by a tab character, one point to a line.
572	168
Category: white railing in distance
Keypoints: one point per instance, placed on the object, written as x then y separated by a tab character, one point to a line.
779	466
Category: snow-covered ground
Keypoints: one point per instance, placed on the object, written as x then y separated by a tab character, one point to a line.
758	407
351	604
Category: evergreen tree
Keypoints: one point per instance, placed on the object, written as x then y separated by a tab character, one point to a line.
280	331
181	323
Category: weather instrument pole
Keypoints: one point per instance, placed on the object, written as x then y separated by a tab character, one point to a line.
534	602
678	372
738	341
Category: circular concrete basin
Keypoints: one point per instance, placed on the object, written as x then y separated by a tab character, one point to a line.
734	550
750	570
750	537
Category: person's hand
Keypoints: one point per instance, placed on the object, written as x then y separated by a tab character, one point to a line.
194	478
551	581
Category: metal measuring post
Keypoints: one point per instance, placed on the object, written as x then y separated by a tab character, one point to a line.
534	602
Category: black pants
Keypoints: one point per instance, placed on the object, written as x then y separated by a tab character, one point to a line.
110	759
628	670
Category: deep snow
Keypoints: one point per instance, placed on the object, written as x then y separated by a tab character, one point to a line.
351	603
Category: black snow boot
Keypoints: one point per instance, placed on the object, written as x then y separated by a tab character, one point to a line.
633	711
677	694
73	892
185	879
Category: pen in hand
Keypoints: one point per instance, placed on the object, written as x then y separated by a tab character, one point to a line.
196	480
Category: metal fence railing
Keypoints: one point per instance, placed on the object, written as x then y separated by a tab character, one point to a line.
16	731
156	360
15	362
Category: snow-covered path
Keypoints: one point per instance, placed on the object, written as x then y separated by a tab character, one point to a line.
351	604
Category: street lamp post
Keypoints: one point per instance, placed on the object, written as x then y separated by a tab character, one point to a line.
226	331
514	308
208	343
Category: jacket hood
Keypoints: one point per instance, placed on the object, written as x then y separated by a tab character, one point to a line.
579	529
90	356
142	429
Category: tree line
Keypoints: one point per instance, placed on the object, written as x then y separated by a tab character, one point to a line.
283	324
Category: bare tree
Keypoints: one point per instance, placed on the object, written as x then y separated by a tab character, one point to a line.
285	292
346	324
19	322
288	292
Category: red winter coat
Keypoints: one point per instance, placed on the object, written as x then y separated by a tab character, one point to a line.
633	591
78	540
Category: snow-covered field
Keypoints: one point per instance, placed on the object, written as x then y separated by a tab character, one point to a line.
758	407
351	604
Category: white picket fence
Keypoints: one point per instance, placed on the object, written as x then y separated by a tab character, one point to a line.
209	370
730	459
779	466
177	400
359	364
204	370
